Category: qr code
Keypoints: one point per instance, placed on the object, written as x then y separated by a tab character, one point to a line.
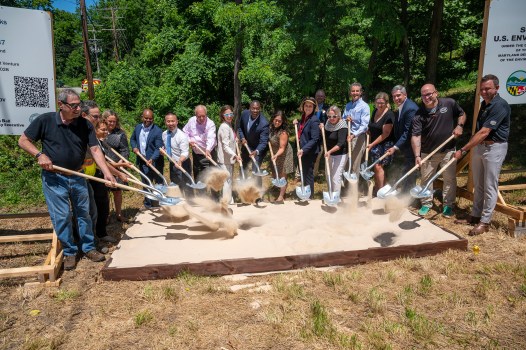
31	92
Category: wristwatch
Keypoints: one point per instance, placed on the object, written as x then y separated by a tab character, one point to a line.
462	152
38	155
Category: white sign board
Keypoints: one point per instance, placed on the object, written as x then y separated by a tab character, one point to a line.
27	74
505	54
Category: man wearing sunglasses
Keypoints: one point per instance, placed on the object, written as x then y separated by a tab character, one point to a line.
434	122
65	139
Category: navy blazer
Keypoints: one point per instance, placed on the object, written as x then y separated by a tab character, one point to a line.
153	143
402	125
258	135
310	136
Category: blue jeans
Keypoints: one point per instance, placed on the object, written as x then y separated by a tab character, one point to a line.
60	191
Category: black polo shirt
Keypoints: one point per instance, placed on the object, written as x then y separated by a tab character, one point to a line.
436	126
65	145
496	116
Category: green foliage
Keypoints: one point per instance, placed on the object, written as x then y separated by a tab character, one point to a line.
20	183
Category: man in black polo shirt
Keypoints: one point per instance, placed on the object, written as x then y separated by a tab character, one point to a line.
65	138
490	145
434	123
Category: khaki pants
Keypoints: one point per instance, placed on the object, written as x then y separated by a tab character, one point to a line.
430	167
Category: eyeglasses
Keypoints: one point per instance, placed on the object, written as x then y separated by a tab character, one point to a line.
332	116
95	116
428	95
228	115
72	105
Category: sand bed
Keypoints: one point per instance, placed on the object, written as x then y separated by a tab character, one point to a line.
273	237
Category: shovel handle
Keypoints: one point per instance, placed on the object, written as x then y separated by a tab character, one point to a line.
112	162
151	166
240	161
451	161
299	158
249	151
424	160
204	153
163	152
131	164
367	148
98	179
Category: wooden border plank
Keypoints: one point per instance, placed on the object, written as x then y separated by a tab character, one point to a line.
27	238
24	215
282	263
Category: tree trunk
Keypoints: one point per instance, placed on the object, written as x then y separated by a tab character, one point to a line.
405	42
434	41
237	68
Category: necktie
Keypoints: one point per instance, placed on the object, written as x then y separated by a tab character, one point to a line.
169	143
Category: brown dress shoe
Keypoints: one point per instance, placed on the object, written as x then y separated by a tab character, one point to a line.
470	220
479	229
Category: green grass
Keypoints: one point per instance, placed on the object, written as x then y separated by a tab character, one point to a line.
142	317
65	294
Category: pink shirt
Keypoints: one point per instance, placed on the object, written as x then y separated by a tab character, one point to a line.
203	135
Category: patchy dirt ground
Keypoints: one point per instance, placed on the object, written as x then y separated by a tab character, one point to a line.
455	300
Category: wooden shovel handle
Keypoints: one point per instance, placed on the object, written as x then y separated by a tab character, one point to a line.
204	153
89	177
150	165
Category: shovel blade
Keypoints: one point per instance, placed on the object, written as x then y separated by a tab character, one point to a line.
351	177
332	198
169	201
303	193
162	188
367	174
279	182
260	173
419	192
198	186
386	191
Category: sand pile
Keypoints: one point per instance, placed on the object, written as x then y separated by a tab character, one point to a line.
215	178
248	191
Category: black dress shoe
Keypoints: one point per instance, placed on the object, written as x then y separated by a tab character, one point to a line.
470	220
479	229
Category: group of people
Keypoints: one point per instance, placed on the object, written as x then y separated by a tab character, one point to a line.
78	137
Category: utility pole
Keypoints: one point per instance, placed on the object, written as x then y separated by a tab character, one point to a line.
96	49
89	75
114	30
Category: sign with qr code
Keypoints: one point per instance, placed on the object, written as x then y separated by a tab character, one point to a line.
27	73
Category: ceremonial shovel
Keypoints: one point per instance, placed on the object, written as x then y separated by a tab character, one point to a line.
258	172
388	190
330	198
303	192
134	168
277	181
366	172
351	177
199	185
419	192
164	187
163	200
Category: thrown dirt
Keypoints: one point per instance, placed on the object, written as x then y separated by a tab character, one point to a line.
215	178
248	191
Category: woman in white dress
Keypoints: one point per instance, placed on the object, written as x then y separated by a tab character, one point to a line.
226	148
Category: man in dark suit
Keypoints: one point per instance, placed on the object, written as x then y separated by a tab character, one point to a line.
402	133
253	130
146	139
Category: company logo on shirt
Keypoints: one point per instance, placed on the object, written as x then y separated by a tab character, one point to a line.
516	83
443	110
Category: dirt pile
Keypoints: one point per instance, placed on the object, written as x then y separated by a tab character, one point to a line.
248	191
215	177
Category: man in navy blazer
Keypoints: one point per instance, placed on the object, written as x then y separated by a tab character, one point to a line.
146	139
253	129
402	133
